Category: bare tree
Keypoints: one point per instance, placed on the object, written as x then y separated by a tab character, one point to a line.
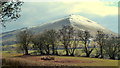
24	39
97	51
118	41
100	39
66	34
46	43
37	41
47	40
74	42
53	38
41	42
85	37
112	47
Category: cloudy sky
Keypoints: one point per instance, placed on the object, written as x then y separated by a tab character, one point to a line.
37	12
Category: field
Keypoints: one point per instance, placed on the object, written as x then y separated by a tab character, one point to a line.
12	58
23	60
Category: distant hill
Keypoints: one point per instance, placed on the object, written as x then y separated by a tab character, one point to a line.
77	21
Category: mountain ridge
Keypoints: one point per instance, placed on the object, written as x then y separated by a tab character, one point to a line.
77	21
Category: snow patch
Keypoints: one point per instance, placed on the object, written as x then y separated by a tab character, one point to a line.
77	19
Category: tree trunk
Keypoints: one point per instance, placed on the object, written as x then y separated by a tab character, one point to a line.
53	50
118	57
87	55
101	52
56	52
97	56
86	50
112	57
48	50
26	50
41	52
66	49
67	53
72	54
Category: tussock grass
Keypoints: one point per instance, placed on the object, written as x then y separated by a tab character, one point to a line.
27	63
12	59
24	62
18	62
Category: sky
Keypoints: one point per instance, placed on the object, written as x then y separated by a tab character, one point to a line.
37	12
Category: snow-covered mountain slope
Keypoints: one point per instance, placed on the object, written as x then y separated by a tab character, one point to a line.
87	24
77	21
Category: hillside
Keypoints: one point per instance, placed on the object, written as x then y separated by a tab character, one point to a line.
77	21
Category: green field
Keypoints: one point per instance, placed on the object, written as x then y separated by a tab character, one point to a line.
11	58
59	60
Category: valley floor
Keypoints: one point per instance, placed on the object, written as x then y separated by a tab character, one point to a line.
59	61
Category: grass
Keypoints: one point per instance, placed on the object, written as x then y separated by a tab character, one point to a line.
92	61
12	59
24	62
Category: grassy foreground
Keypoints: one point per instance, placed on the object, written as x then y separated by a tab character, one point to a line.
20	60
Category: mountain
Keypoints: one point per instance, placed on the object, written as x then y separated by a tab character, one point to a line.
77	21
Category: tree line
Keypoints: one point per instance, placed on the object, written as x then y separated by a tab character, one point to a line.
49	41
